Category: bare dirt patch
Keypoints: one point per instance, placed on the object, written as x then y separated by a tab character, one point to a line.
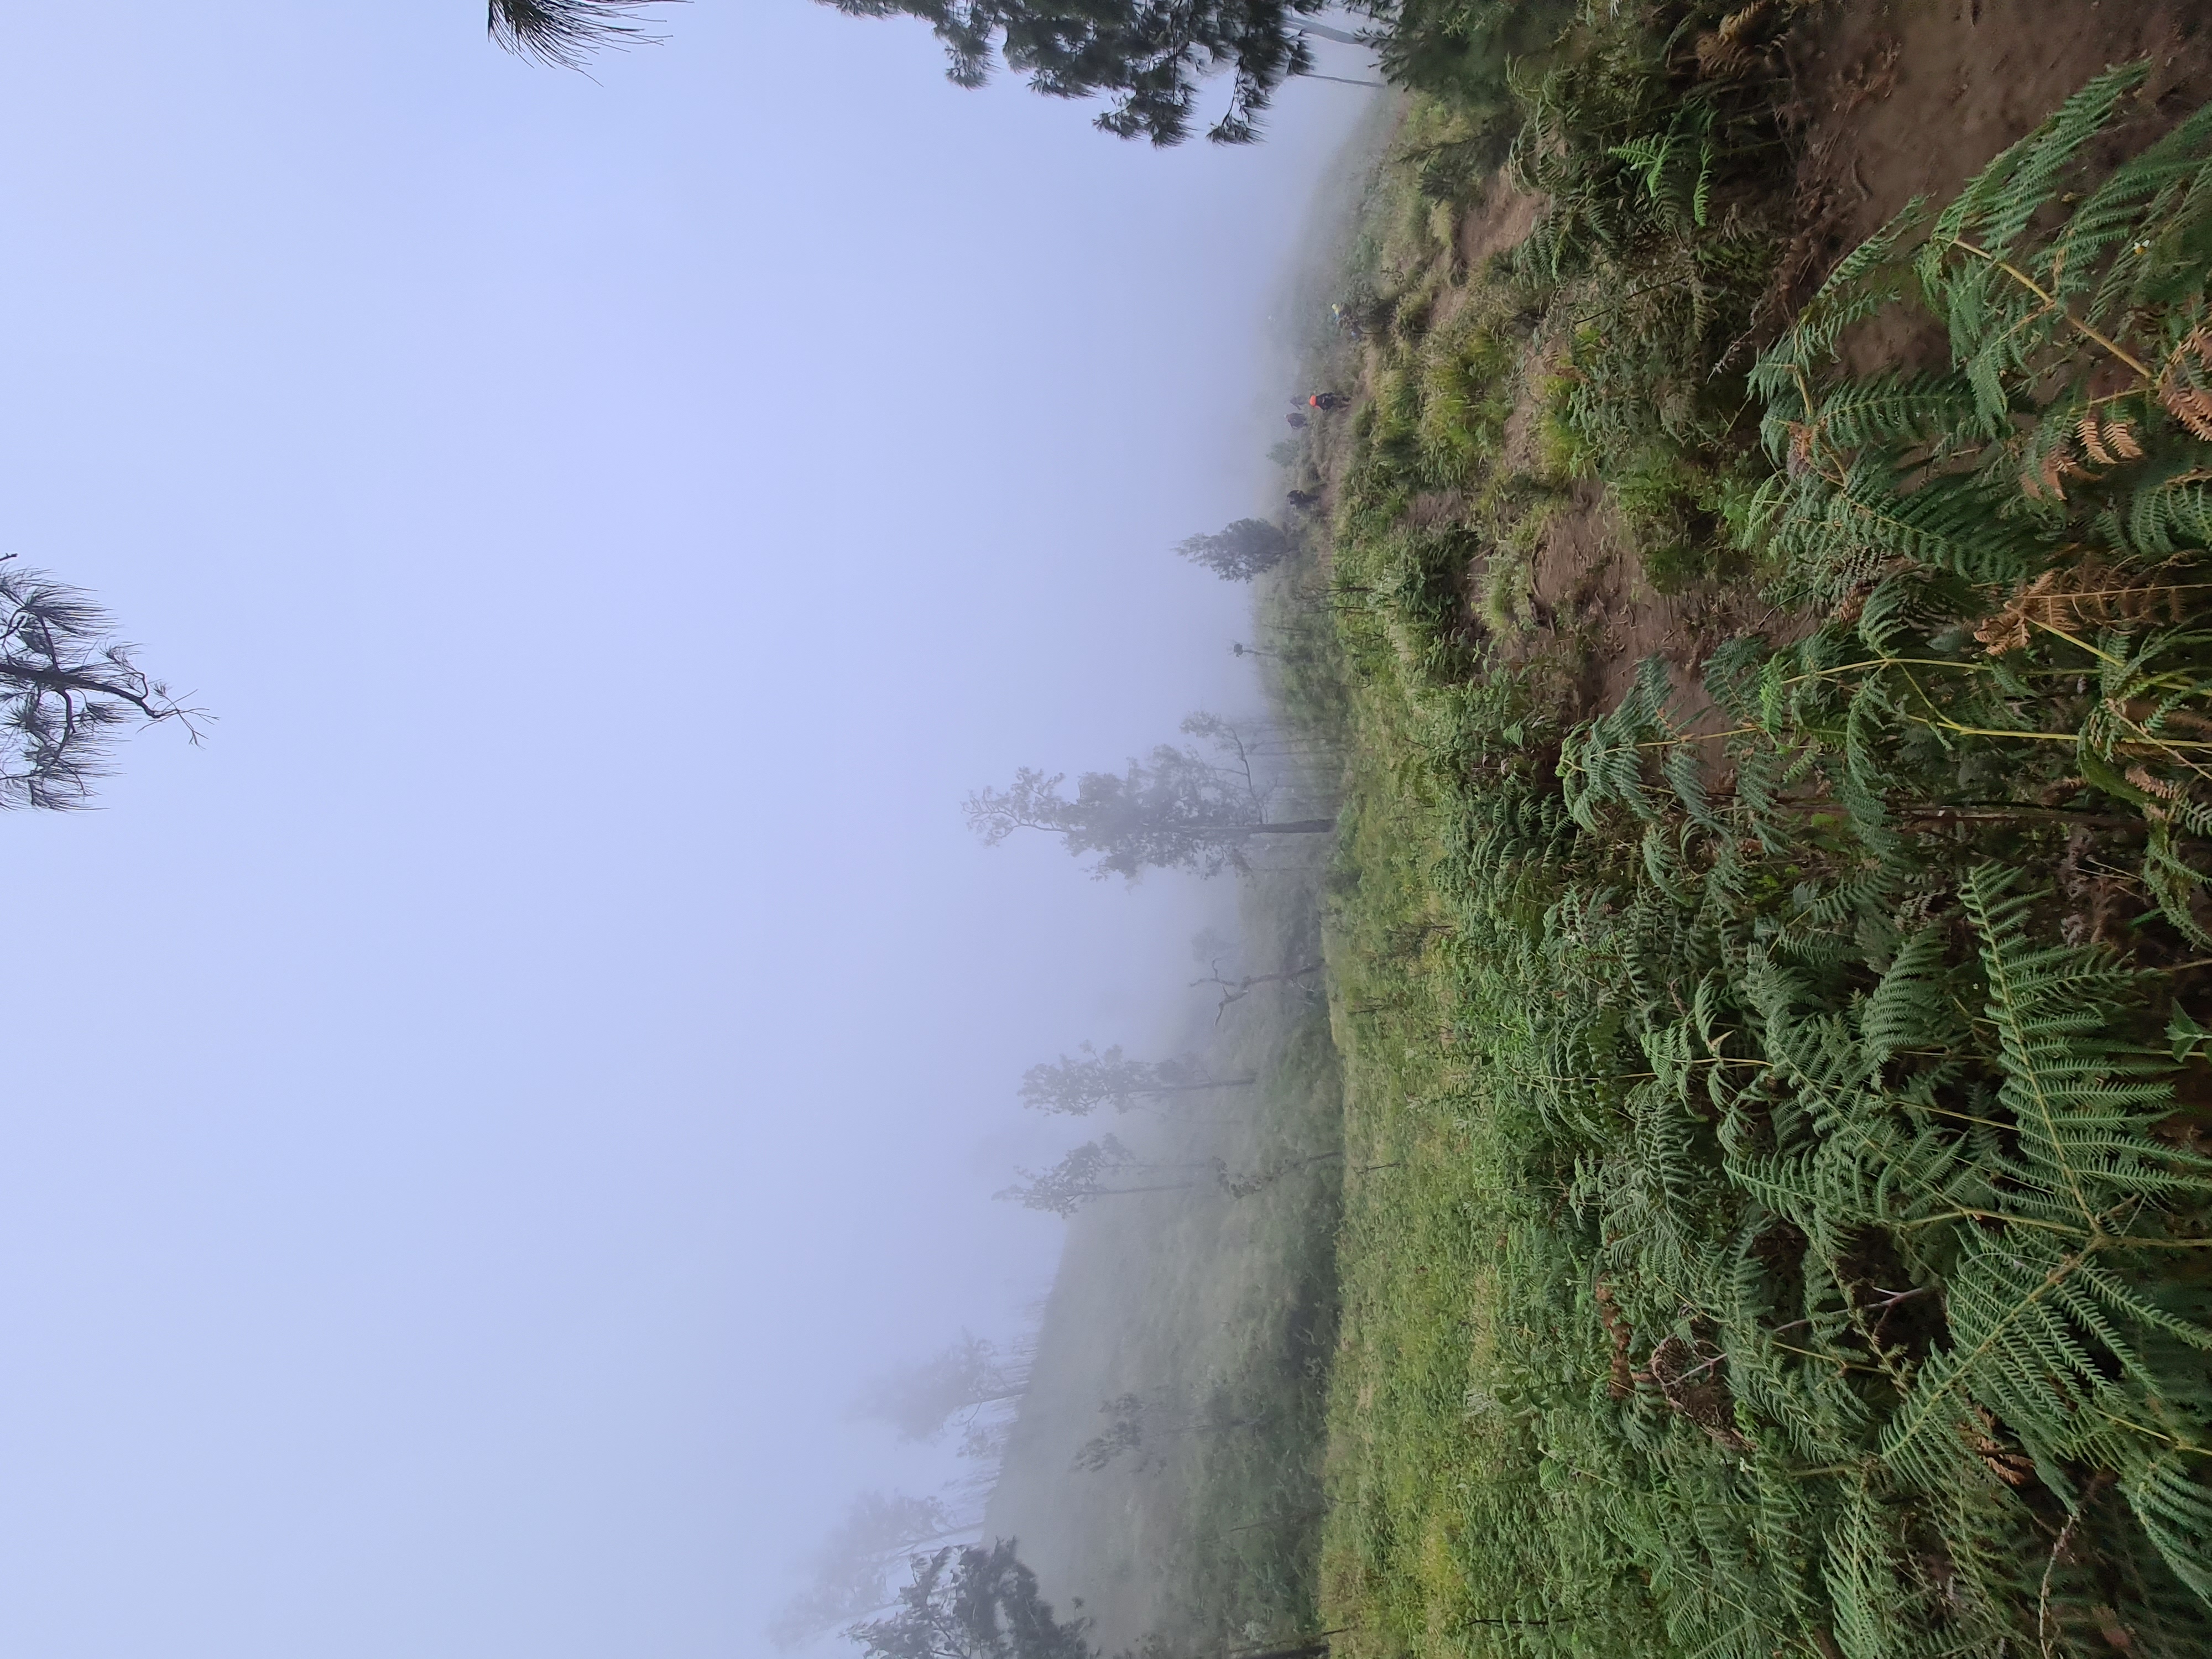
1893	99
1502	221
1896	99
1588	586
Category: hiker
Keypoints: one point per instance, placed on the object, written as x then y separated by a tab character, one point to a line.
1304	500
1327	400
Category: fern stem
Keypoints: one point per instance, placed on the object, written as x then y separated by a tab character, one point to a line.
2194	1450
1996	731
2005	1216
2030	284
1829	1358
1892	662
2053	627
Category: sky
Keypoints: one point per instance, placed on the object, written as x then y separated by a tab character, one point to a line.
470	1122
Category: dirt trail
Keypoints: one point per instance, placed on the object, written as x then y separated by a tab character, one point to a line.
1896	99
1892	99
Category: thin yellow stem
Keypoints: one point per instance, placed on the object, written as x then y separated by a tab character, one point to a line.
1890	662
2049	628
2032	287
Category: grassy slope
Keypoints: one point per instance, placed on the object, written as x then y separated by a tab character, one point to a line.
1217	1309
1538	1204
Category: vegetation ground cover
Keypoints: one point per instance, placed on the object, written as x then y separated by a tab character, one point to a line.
1768	938
1198	1319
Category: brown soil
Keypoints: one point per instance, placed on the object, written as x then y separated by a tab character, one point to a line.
1588	587
1892	99
1504	220
1895	99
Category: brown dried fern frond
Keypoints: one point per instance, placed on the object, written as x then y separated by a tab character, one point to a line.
1719	59
1739	23
1622	1384
2044	476
2089	594
2164	788
1731	49
2181	385
2092	441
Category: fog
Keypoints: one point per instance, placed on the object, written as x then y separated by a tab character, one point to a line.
473	1120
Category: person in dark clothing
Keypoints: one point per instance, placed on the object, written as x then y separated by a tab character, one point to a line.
1304	500
1327	400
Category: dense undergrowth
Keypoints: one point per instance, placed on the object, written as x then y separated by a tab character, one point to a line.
1777	1216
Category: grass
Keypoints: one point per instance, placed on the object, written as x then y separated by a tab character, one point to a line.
1218	1313
1777	1192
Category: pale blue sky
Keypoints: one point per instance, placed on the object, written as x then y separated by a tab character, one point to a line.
467	1125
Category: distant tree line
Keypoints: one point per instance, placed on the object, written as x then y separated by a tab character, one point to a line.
1149	57
980	1601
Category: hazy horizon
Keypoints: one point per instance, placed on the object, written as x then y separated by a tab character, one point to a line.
484	1109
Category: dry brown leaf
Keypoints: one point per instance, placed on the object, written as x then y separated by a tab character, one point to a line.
2092	442
1736	24
2140	776
2189	406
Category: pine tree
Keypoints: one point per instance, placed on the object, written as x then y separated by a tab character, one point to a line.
67	686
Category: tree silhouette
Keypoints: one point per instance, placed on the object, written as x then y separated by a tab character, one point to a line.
1079	1084
1148	56
851	1571
563	33
972	1603
1132	1419
1176	810
1098	1168
1240	552
66	686
920	1400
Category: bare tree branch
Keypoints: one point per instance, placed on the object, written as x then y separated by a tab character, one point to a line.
66	687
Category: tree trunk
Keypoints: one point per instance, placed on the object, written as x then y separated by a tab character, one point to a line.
1296	827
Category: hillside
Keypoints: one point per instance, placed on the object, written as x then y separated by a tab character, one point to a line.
1769	939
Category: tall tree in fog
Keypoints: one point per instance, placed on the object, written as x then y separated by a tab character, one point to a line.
973	1603
1134	1420
1245	549
920	1400
850	1574
1176	810
67	687
1103	1168
1079	1084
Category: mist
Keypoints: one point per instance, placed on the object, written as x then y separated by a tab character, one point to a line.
478	1119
